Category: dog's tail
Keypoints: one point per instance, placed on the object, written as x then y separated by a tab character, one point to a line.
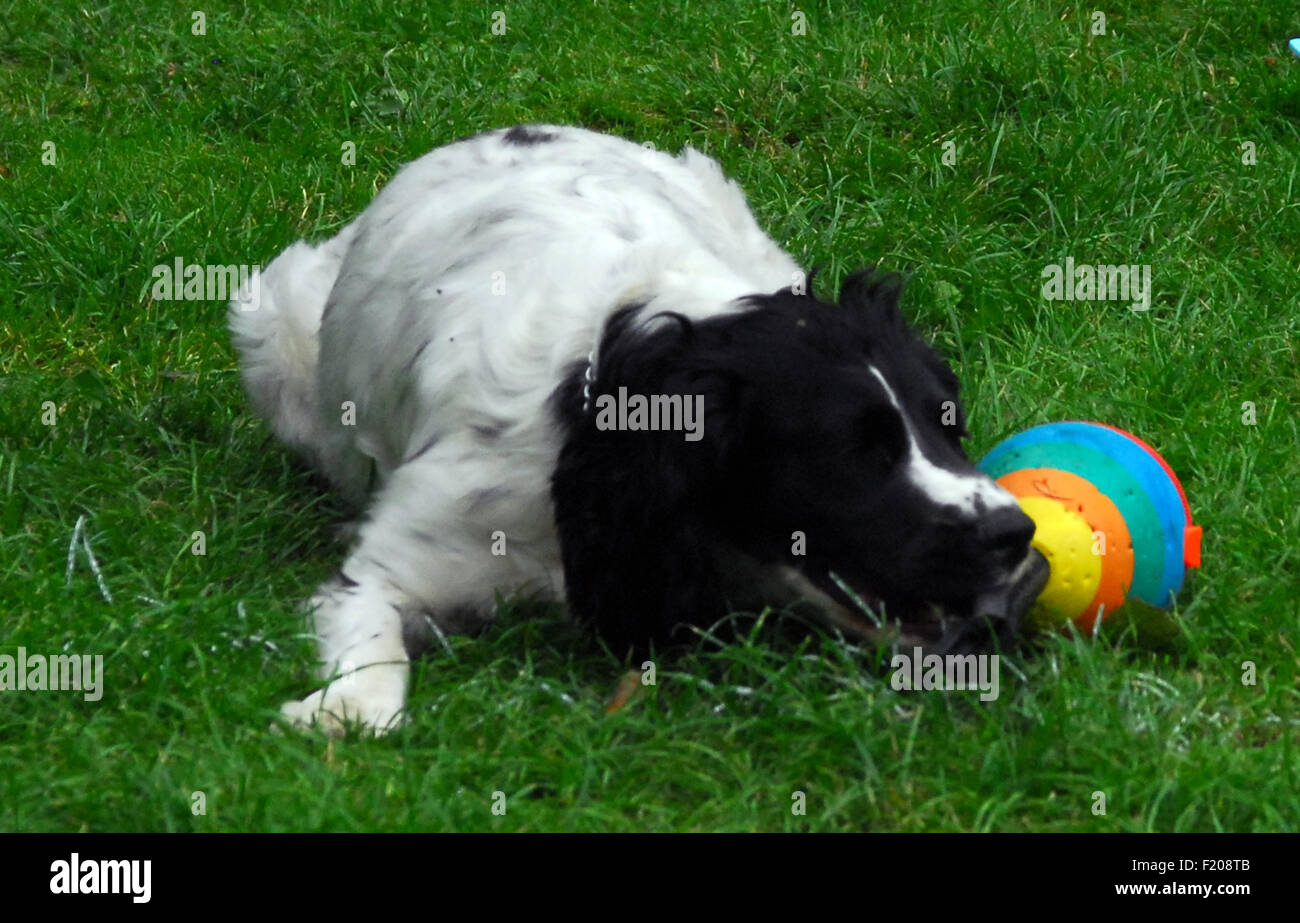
275	325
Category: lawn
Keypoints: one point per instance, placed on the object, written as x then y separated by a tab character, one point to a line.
1170	138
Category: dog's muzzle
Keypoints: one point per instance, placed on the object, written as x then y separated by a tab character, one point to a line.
1011	599
993	618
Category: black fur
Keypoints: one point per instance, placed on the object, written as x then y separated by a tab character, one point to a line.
526	136
798	436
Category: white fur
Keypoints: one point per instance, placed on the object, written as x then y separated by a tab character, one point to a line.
973	495
411	356
451	309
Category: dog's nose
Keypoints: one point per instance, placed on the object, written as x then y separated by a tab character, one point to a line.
1007	530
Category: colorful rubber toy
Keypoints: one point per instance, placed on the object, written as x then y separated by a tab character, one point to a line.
1111	517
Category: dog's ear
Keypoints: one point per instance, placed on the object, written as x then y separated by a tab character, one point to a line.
633	507
874	294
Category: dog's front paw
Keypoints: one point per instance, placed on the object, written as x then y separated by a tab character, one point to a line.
371	699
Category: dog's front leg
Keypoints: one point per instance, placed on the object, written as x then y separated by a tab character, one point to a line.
359	629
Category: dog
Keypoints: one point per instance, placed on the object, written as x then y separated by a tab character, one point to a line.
553	361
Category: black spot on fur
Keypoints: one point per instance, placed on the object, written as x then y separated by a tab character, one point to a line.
488	432
526	136
410	363
428	540
465	261
486	496
482	223
420	627
424	448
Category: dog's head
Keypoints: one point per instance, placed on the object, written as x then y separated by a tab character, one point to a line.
827	462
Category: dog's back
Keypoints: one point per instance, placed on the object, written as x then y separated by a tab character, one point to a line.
475	277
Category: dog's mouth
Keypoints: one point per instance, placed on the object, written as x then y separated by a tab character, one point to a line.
1010	600
989	618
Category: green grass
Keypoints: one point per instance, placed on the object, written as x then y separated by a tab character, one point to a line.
1123	147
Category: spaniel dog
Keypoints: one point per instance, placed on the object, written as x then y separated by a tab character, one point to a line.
549	360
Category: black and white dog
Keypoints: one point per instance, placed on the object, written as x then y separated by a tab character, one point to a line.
558	361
